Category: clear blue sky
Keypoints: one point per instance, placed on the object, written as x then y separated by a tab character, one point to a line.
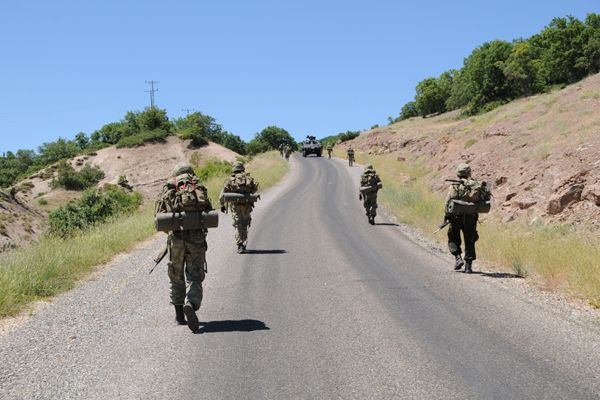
310	66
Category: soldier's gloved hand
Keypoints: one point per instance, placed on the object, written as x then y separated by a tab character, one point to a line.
223	209
360	196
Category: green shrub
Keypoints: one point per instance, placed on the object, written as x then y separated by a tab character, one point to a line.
94	207
42	202
123	182
212	168
70	179
139	139
198	140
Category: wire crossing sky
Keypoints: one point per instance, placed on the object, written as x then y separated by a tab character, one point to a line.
311	67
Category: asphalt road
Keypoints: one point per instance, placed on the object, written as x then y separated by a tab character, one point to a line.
324	306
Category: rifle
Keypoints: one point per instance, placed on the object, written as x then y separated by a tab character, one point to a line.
160	257
442	226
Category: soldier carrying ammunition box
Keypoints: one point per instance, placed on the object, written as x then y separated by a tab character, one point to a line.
370	183
350	153
467	197
183	209
239	195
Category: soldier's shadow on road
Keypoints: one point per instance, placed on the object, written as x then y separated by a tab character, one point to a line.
497	274
243	325
256	251
386	224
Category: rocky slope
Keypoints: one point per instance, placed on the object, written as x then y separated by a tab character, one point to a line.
24	207
540	153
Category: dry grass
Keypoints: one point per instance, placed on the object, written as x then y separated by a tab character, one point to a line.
558	257
52	265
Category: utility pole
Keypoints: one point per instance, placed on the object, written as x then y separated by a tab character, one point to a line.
187	111
151	91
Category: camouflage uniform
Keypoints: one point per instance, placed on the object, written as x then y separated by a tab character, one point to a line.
187	257
329	150
350	153
240	212
467	223
287	151
370	178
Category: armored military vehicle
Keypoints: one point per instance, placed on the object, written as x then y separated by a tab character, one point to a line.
311	146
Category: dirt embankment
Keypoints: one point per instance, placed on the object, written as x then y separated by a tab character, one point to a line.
24	207
542	153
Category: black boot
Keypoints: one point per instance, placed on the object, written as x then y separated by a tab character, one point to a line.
179	316
240	248
468	269
372	220
458	263
192	318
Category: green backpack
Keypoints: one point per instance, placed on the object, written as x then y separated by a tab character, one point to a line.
242	183
474	191
184	193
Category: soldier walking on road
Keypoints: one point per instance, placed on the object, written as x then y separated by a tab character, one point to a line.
287	151
465	189
370	183
329	150
186	248
350	153
242	183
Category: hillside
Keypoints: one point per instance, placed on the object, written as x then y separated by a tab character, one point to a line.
24	207
541	153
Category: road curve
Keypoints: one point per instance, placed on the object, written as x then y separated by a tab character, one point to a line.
323	306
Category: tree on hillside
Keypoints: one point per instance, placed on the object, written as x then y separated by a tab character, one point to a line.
409	110
521	70
432	94
58	150
270	138
591	43
562	51
481	80
82	140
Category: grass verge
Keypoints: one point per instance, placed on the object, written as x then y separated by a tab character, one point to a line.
560	257
53	265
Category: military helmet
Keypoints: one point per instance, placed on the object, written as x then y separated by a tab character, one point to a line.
238	167
463	170
182	168
369	167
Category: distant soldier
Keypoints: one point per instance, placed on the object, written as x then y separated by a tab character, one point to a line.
242	183
329	150
186	248
470	191
287	151
281	149
370	183
350	153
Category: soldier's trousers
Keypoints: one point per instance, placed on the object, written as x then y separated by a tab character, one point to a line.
370	203
350	160
329	153
241	215
187	255
468	225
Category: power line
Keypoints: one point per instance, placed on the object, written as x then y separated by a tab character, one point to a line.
151	91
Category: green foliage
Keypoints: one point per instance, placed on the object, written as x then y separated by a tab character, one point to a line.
123	181
59	150
144	137
342	137
432	94
496	72
202	128
269	139
94	207
212	168
70	179
409	110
